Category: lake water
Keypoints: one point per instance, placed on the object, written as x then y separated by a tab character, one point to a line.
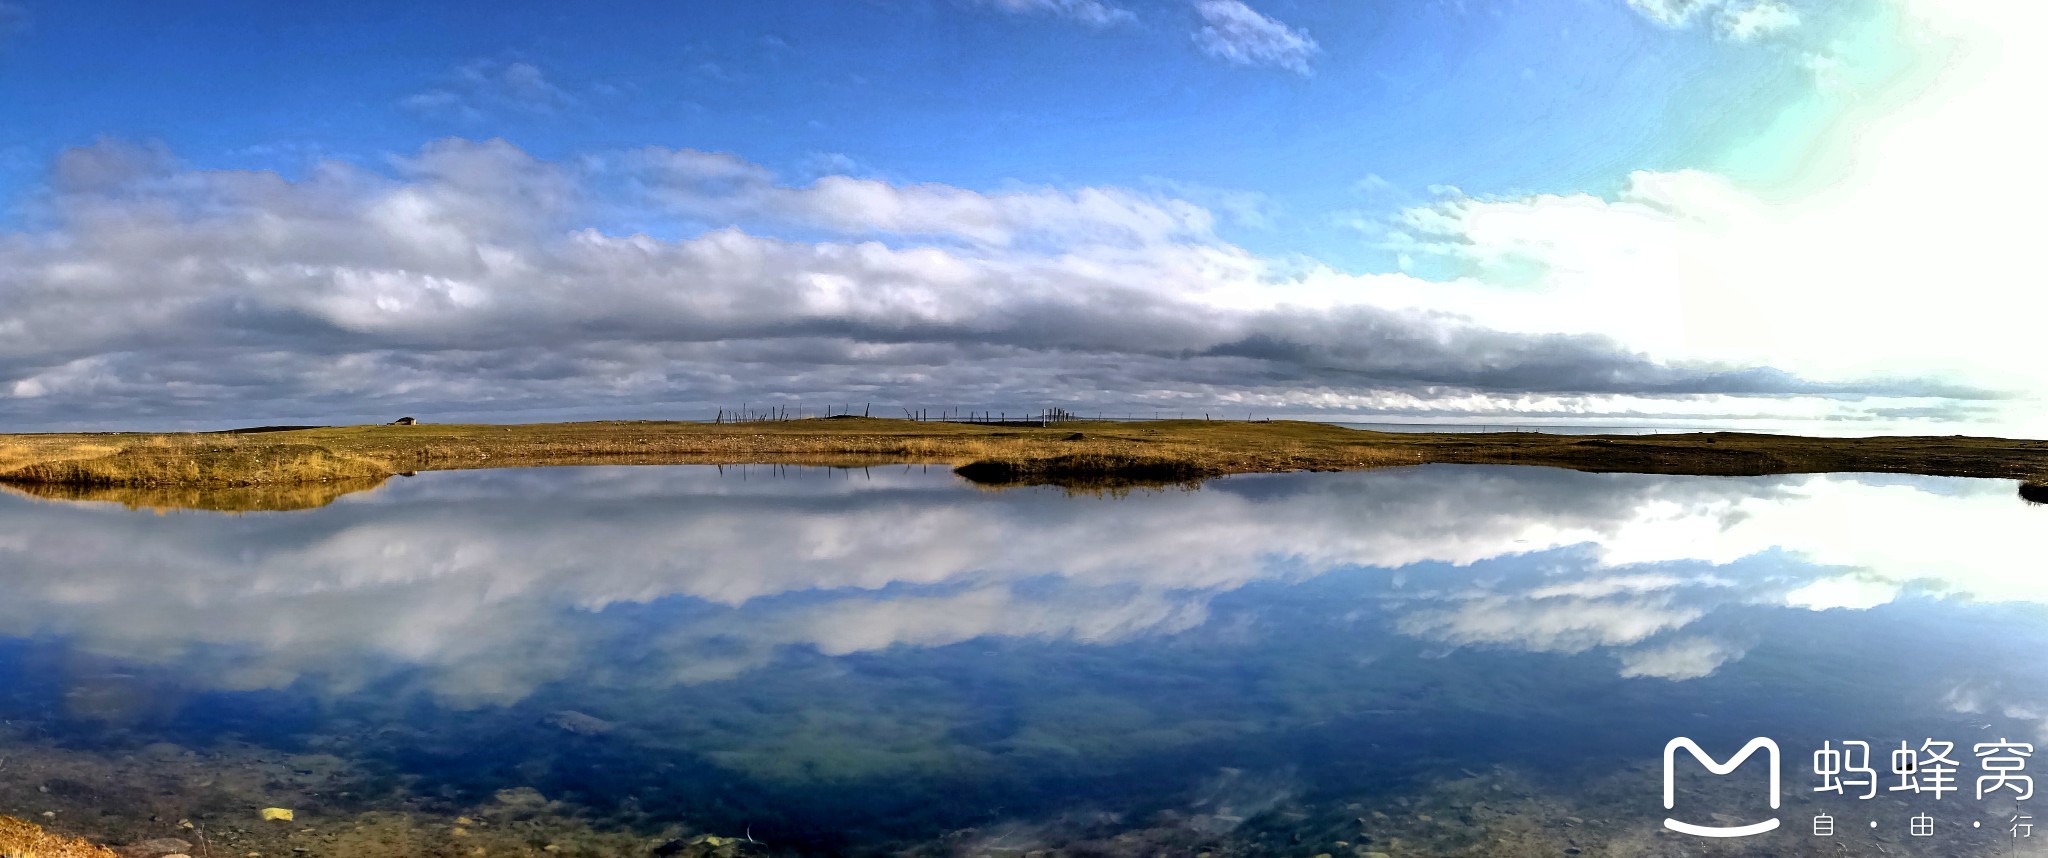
1443	660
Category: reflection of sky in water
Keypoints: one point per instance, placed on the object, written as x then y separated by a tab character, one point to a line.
793	642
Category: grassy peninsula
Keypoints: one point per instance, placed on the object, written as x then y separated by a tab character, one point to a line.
296	467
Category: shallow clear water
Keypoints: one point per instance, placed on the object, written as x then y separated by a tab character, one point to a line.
1435	660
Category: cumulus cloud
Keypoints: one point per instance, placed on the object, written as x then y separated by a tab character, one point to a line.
1238	34
467	279
1094	13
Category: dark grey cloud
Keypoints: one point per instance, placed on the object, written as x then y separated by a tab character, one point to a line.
466	280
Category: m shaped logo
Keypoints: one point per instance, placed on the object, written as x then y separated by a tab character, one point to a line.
1719	768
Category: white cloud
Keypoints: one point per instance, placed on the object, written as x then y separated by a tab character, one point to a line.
722	187
1687	658
1248	209
475	278
468	277
479	87
1613	585
1094	13
484	278
522	82
1760	18
454	573
1895	255
1847	592
1672	13
1238	34
1737	19
1559	625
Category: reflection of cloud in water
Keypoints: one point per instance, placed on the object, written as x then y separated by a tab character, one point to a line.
1849	592
1561	625
863	622
1685	658
489	580
1993	699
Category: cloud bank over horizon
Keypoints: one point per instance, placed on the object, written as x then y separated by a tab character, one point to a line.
466	278
473	277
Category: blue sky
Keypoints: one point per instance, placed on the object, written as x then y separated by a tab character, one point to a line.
1327	158
1398	97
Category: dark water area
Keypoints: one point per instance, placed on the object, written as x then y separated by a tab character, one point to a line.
1442	660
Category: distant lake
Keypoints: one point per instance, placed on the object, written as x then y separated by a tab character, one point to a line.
1442	660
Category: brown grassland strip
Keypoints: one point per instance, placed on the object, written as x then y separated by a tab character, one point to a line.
1085	453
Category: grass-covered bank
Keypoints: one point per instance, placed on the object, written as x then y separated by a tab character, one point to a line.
1079	453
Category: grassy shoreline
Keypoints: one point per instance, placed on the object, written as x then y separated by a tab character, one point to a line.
1082	453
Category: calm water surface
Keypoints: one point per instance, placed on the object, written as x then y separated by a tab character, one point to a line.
1437	660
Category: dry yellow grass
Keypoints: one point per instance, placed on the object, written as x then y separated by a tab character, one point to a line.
280	497
366	452
19	839
1083	453
161	464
